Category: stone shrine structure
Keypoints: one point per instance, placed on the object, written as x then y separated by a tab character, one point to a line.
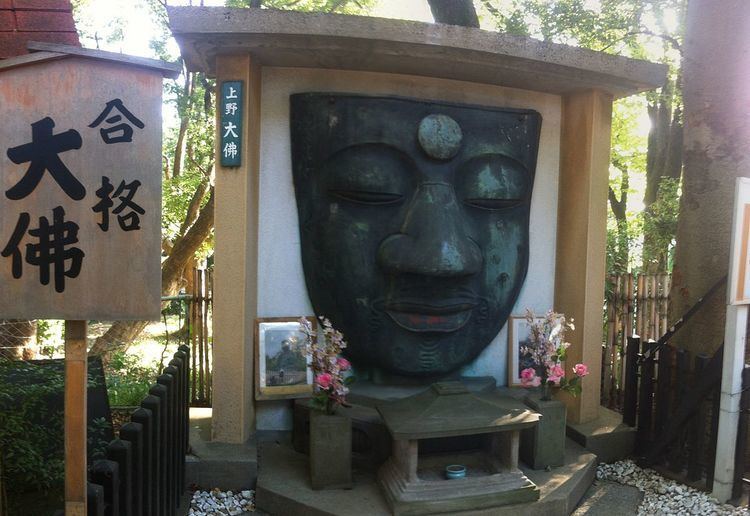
304	74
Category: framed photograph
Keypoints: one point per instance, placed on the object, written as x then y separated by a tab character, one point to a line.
518	336
281	361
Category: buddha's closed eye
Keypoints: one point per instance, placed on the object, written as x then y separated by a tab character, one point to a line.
492	182
373	174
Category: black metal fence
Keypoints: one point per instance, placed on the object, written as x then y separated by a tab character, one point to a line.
675	408
144	469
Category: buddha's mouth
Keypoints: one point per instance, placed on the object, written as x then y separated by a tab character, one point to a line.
443	317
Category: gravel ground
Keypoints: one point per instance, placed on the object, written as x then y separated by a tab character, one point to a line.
663	496
222	503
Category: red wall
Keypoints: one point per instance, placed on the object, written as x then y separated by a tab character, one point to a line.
35	20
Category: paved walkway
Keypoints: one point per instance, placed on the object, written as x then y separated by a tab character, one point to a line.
606	498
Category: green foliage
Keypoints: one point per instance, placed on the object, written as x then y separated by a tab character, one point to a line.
644	29
31	432
31	435
128	380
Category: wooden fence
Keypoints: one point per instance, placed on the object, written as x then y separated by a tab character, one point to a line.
634	305
675	409
200	313
144	472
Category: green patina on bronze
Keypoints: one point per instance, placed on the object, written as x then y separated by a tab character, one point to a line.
414	223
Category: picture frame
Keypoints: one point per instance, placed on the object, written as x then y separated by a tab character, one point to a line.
281	362
518	334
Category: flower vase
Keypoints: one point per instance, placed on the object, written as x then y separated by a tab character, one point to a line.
543	445
330	451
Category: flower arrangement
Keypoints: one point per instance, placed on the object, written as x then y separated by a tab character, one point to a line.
547	349
330	382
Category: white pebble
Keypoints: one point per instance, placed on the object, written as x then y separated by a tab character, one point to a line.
662	496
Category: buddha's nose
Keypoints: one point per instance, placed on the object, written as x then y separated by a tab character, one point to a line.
433	239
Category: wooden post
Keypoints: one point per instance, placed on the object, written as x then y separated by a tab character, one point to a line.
581	238
630	398
76	374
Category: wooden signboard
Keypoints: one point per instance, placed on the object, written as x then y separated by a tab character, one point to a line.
80	190
738	292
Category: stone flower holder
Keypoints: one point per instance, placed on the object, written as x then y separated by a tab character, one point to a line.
543	445
330	451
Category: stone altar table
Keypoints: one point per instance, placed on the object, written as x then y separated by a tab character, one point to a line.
429	432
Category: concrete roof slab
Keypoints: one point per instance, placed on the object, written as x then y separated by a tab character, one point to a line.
316	40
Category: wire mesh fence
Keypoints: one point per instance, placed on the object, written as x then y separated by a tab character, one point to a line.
132	349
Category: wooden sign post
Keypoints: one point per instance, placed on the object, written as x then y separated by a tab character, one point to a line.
738	298
80	205
76	374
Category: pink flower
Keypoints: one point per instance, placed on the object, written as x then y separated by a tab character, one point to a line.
529	377
555	374
343	364
581	370
324	380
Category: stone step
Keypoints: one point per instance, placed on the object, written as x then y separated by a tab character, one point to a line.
605	498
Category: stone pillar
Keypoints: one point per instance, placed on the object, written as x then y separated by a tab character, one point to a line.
236	263
582	237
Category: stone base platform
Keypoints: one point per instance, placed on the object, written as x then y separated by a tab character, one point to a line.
606	436
284	487
211	464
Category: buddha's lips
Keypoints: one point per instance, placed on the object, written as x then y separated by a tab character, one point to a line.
430	318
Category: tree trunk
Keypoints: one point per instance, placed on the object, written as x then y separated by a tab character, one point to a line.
179	147
122	333
619	209
454	12
664	160
716	66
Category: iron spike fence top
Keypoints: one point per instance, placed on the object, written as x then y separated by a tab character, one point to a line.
648	355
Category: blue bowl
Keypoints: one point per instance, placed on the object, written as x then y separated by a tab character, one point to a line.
455	471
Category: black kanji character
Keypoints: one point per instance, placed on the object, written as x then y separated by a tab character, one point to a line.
12	248
127	131
51	249
43	152
128	222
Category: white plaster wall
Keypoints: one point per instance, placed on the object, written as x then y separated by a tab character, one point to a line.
281	282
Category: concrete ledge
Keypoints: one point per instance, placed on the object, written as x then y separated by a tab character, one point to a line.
212	464
284	488
295	39
606	436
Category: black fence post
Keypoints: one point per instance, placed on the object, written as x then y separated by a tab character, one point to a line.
697	428
664	387
165	436
155	405
645	398
179	362
630	399
106	473
185	350
144	418
675	455
119	451
94	499
174	444
133	433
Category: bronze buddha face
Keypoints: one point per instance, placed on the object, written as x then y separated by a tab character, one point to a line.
414	223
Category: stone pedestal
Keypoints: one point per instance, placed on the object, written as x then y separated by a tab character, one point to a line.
543	445
330	451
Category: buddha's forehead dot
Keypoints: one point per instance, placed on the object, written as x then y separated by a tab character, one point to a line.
439	136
